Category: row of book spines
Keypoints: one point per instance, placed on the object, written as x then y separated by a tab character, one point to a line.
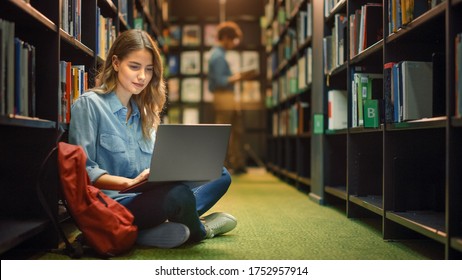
402	12
296	80
17	73
408	92
71	18
303	26
302	69
400	100
105	33
74	82
365	29
284	12
71	23
291	121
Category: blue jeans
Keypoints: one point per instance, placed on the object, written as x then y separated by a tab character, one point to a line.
181	203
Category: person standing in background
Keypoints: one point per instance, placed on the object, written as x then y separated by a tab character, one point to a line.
221	85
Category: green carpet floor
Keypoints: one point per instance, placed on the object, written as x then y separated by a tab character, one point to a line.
276	221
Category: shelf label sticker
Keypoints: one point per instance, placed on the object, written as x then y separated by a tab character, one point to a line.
318	123
371	113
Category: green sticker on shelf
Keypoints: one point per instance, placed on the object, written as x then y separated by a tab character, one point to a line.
371	113
318	124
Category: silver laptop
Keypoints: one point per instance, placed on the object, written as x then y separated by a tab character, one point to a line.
185	152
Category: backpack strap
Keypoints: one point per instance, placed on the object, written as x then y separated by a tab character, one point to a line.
74	250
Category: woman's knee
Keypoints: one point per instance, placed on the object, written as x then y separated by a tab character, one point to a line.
226	177
181	196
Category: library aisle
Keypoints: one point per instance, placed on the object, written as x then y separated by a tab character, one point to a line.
327	117
277	221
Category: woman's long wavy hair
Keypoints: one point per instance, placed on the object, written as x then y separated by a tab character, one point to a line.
152	99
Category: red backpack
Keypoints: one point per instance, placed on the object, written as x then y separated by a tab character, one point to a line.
106	225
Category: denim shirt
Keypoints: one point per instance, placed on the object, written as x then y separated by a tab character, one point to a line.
112	144
219	70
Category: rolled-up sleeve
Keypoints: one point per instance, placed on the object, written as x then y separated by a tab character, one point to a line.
83	131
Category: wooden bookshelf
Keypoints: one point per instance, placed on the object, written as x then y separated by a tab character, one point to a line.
405	174
289	55
27	139
13	232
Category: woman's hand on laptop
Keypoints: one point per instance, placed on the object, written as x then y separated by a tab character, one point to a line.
118	183
140	178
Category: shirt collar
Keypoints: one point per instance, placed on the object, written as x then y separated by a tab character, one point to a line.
116	105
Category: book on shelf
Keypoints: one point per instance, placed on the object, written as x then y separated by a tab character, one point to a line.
191	35
339	39
106	34
417	90
18	89
355	19
302	72
71	18
173	85
412	86
138	23
191	90
458	75
372	113
365	86
20	103
337	109
370	29
309	65
275	93
292	79
62	99
2	73
328	56
190	62
387	94
7	67
396	88
402	12
73	83
304	23
293	118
